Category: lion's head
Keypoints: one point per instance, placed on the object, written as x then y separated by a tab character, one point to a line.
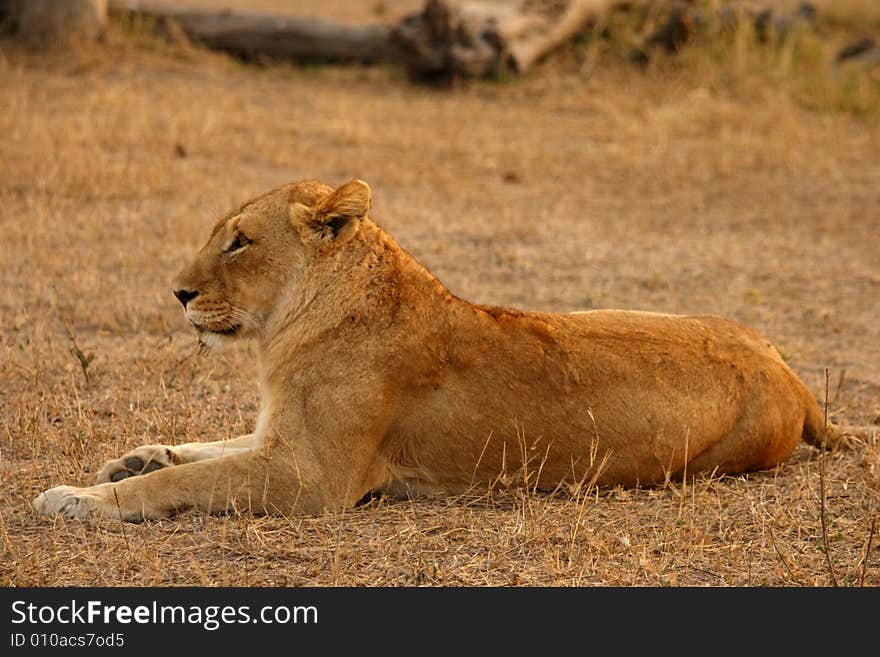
260	259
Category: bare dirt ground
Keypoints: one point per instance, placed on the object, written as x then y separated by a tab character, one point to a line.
584	185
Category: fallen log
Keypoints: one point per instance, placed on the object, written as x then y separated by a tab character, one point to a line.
472	38
260	35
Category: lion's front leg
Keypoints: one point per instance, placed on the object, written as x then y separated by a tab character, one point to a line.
244	481
69	501
148	458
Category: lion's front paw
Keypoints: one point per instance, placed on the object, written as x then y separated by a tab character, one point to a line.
142	460
66	501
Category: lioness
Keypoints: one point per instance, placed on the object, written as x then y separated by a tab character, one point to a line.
375	378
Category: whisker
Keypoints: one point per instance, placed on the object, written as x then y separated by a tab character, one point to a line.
243	316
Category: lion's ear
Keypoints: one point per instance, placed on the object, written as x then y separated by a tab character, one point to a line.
337	217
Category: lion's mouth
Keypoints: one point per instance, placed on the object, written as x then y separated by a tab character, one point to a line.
229	330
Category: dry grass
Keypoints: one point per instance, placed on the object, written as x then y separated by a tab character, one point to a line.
577	187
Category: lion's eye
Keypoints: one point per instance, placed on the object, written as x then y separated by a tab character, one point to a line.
238	243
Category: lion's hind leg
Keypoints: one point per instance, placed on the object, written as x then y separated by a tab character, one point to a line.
756	442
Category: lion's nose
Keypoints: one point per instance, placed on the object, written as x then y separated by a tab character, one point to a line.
185	296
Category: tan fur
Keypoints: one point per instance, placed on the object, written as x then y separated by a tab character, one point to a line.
375	378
